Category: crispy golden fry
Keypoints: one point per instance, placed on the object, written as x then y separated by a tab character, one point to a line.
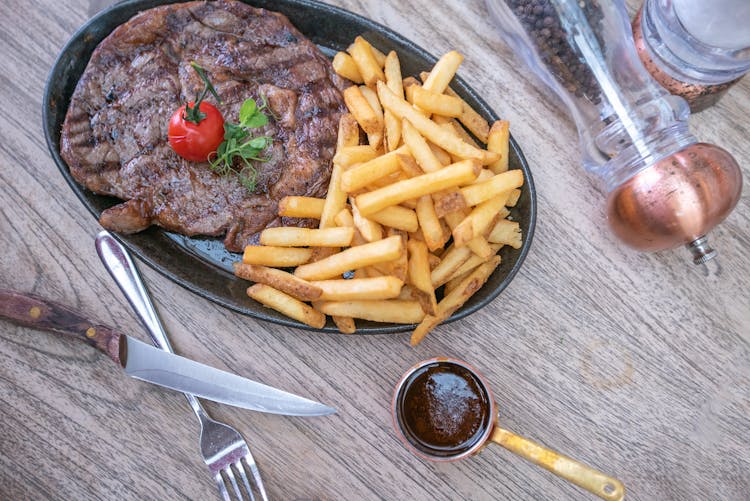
409	166
513	197
478	244
378	55
348	131
289	236
356	289
397	217
432	230
360	107
369	229
455	299
278	279
335	199
473	262
456	174
478	221
359	176
453	258
308	207
392	70
498	141
409	87
345	325
368	254
507	233
420	148
432	102
282	257
286	304
497	186
429	129
344	65
367	63
397	311
375	139
350	155
448	201
392	131
419	276
443	72
472	120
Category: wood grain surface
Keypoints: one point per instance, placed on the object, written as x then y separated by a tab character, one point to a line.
637	364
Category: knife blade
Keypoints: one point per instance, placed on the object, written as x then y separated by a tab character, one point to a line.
147	363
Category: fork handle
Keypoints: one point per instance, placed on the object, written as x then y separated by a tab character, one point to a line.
36	312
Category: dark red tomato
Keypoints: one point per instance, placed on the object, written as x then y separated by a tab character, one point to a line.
195	142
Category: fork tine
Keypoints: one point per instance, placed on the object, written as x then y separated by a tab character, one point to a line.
228	472
243	477
250	461
222	487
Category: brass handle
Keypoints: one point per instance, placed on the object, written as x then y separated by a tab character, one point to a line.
571	470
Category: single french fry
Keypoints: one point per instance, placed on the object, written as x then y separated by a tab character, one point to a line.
409	166
345	325
396	311
278	279
397	217
368	254
432	230
448	201
420	148
375	139
443	72
367	63
369	229
281	257
356	289
455	299
392	131
359	106
307	207
286	304
432	102
377	54
359	176
344	65
288	236
392	70
335	199
498	141
497	186
507	233
513	197
478	221
456	174
350	155
348	131
419	276
472	120
453	258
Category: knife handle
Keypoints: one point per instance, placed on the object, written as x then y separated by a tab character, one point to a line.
33	311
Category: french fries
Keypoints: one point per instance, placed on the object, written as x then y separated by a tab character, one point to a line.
412	181
306	237
307	207
286	304
278	279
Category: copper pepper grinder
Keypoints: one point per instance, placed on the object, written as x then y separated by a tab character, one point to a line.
664	188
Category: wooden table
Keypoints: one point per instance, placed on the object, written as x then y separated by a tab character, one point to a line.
634	363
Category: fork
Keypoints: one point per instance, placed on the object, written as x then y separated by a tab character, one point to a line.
223	449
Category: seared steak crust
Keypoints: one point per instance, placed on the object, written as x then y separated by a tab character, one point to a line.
114	138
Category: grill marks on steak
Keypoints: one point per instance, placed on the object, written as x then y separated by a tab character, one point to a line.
115	133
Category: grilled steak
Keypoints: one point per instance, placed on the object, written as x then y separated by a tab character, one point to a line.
114	138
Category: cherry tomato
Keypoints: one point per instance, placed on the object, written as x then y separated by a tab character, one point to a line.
195	142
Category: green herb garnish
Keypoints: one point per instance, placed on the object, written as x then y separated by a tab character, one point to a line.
239	144
194	114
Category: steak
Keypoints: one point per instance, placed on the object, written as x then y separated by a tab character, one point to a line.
114	138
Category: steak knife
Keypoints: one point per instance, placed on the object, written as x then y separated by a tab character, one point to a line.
147	363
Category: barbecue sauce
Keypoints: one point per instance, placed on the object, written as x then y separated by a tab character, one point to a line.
444	409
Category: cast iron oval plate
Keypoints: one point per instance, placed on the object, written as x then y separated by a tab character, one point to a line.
202	265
